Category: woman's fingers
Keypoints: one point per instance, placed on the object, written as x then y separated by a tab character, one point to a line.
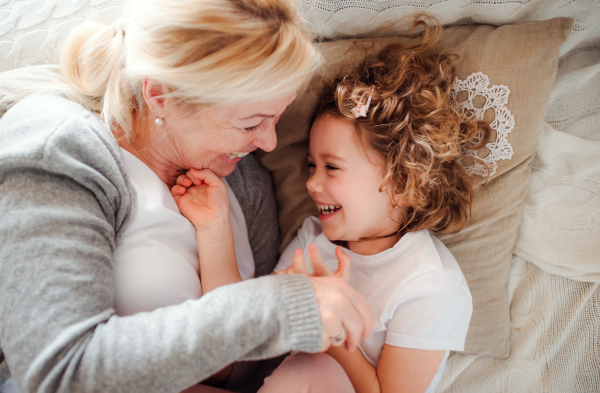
341	306
319	268
343	270
298	264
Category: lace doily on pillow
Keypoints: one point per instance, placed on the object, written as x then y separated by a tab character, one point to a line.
477	88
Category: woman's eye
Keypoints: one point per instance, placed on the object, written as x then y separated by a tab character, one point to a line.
250	129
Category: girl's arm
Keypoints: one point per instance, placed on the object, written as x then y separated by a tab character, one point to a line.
202	198
399	369
407	369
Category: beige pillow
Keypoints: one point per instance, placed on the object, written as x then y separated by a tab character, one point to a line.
523	57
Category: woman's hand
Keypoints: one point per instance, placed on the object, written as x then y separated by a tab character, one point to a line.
345	314
202	198
298	266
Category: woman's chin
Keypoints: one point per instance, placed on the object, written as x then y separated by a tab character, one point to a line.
224	166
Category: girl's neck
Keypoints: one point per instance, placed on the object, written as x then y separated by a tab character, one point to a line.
372	247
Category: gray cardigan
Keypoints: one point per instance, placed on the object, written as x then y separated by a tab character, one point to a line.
64	202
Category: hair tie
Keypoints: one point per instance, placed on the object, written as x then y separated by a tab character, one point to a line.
119	26
361	110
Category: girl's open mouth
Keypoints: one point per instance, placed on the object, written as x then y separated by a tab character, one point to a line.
326	211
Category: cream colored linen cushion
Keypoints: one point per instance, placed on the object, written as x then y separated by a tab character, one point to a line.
524	58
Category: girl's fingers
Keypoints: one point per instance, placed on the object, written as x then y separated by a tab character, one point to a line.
178	190
207	176
190	175
317	263
343	270
184	181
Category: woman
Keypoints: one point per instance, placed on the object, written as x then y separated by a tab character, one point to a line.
178	85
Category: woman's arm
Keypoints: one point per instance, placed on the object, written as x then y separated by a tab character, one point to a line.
400	370
59	332
63	202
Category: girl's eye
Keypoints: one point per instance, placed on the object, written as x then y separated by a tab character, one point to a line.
331	167
311	165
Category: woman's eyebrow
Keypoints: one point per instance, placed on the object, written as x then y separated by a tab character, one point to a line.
257	115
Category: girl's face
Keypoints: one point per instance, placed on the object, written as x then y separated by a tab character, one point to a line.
344	182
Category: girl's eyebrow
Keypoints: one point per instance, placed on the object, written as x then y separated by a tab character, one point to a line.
326	155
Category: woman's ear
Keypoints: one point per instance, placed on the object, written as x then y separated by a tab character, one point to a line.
155	94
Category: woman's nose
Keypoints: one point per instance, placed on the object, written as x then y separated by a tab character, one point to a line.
267	139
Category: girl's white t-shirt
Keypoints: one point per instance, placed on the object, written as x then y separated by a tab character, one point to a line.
418	295
156	259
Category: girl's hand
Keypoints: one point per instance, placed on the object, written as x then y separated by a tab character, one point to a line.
202	198
320	270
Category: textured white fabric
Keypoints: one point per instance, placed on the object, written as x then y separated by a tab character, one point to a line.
351	18
560	231
495	98
156	260
418	295
554	340
32	31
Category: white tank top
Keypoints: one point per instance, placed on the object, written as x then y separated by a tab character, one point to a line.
156	259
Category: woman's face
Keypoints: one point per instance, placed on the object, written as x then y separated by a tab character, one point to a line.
215	138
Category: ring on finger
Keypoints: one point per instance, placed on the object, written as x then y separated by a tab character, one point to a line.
339	338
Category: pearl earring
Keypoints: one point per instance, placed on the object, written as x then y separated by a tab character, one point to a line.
159	121
396	207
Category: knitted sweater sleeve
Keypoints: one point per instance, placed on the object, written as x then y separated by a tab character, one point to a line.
63	203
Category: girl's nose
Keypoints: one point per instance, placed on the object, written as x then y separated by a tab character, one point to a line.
313	184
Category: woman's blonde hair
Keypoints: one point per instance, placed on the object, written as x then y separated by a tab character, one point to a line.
205	51
413	124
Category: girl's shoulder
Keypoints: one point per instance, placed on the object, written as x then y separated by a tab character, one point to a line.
311	229
430	256
424	268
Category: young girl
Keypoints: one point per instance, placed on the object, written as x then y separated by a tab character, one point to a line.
385	172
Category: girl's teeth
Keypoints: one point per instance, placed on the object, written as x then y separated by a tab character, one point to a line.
236	155
328	209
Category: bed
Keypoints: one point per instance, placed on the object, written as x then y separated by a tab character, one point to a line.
539	330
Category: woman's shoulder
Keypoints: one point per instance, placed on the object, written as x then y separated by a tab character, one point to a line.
64	142
46	121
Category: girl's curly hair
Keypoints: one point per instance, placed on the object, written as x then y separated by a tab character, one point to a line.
413	124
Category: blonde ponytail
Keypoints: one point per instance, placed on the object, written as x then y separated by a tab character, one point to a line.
93	63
